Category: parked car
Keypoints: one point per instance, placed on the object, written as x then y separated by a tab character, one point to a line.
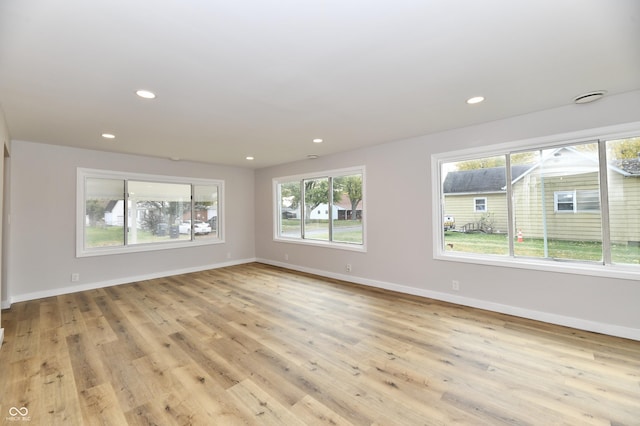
199	227
162	229
286	214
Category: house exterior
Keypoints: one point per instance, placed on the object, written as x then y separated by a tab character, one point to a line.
558	196
471	195
341	210
114	213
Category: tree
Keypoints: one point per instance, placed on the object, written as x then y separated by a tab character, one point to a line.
95	211
316	192
498	161
290	192
624	149
352	187
156	212
481	163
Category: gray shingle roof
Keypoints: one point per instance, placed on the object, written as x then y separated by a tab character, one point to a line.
480	180
630	165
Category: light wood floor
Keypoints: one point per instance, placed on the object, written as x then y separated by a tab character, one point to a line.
255	344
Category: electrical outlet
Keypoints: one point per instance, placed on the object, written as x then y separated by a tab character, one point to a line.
455	285
348	267
286	257
229	255
75	277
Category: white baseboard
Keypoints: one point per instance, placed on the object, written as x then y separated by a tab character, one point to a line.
126	280
577	323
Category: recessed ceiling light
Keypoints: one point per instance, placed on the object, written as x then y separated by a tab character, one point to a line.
174	158
475	100
312	156
589	97
317	140
250	158
146	94
108	136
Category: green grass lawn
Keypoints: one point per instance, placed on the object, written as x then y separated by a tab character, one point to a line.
345	231
534	247
110	236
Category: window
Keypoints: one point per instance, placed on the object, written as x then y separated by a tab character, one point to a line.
575	202
475	182
119	213
324	209
564	201
480	204
623	190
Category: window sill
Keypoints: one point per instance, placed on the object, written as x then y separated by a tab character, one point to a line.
325	244
629	272
105	251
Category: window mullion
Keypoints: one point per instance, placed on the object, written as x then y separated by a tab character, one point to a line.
510	215
330	204
604	203
303	208
125	208
192	215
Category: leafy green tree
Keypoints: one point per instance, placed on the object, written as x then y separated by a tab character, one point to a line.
95	210
316	192
291	191
156	212
352	186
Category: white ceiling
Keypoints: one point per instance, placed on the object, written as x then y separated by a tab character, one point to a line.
264	77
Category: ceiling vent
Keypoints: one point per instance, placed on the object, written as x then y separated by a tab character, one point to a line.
589	97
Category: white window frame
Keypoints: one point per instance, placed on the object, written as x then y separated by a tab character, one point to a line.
576	202
475	205
621	131
315	175
580	202
556	202
84	173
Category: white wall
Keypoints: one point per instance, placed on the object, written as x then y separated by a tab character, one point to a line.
43	222
41	252
5	146
399	240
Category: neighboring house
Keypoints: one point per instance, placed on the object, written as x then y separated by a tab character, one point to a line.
624	202
568	181
114	213
204	213
321	212
471	195
341	210
344	208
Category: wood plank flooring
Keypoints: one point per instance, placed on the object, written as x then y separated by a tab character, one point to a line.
260	345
